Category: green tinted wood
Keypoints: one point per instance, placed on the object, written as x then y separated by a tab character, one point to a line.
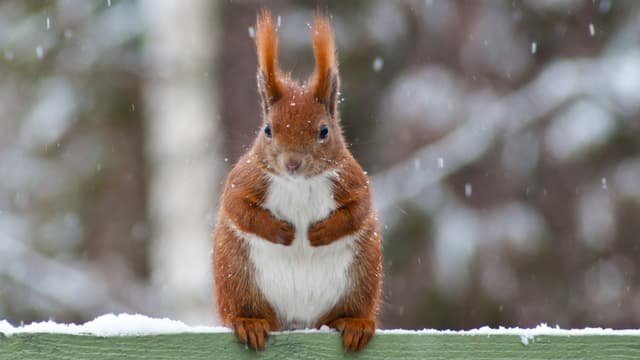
318	346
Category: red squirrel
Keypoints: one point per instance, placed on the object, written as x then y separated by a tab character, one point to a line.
297	242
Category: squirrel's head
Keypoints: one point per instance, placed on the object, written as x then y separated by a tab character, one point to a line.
300	133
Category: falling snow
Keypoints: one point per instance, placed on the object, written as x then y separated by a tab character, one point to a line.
563	110
378	63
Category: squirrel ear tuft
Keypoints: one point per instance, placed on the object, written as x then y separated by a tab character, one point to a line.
325	81
269	85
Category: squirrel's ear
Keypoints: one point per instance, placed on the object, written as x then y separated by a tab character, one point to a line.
269	85
325	82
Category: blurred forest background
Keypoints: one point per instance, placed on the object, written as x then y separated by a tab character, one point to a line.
502	138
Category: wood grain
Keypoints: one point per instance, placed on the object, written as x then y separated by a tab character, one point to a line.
298	345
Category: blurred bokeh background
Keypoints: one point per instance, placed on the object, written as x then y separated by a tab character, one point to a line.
502	138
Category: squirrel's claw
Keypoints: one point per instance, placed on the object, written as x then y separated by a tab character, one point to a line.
356	332
251	331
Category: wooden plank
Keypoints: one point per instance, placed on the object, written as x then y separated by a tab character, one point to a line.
319	346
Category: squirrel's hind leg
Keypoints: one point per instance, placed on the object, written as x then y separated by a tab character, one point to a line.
240	303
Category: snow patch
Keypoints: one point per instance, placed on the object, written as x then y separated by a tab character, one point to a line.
525	340
111	325
530	334
138	325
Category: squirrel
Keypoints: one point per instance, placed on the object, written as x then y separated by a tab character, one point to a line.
297	242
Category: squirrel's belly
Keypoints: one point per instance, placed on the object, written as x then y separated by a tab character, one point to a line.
301	282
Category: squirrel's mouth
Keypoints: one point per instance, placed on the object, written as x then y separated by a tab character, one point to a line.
292	165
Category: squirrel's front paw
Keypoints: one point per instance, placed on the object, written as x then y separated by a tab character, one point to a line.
251	331
285	233
316	235
356	332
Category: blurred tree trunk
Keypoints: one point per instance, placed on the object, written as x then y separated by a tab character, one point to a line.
182	155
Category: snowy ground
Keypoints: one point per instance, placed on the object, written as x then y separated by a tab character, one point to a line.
128	324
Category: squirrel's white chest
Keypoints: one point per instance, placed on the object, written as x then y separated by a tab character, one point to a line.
300	200
301	282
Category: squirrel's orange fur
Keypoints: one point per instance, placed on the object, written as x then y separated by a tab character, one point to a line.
325	55
295	114
267	46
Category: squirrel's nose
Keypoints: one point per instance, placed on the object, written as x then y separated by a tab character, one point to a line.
293	165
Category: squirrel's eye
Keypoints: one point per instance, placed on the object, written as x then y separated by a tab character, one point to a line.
267	131
324	131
